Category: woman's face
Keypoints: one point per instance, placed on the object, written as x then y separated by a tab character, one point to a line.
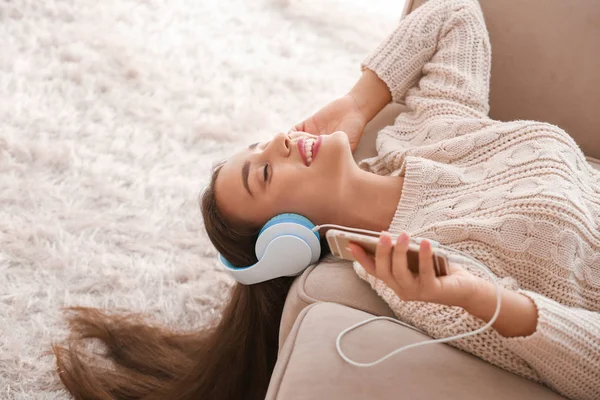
248	193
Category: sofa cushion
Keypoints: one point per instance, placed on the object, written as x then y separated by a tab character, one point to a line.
331	280
309	367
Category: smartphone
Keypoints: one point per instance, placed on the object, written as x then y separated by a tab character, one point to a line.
338	241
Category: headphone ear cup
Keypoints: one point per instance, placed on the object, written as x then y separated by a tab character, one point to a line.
286	245
289	224
286	255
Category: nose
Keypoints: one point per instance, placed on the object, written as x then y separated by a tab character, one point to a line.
281	144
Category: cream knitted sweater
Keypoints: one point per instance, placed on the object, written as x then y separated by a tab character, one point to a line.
519	196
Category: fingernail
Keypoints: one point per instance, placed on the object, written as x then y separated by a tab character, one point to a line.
403	238
350	250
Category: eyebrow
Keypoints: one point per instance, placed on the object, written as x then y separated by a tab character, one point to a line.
246	171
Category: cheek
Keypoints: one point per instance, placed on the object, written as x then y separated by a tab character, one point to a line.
301	191
305	194
292	195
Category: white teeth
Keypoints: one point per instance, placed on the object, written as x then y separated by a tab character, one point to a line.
308	145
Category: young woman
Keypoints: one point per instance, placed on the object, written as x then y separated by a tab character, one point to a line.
519	196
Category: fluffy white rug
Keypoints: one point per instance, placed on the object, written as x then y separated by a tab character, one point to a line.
111	115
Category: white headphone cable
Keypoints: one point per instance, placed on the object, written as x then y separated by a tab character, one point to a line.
442	340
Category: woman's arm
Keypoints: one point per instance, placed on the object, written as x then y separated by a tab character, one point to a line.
443	46
442	50
518	313
371	94
562	344
559	344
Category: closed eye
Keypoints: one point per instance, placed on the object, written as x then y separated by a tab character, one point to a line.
266	175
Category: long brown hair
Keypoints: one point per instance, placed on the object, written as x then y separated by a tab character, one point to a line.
230	359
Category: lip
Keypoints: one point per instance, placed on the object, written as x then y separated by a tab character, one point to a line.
314	151
300	145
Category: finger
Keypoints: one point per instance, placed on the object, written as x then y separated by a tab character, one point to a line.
426	268
299	134
299	127
400	271
295	134
383	261
367	262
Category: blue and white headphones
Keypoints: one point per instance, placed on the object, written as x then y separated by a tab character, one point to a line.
286	245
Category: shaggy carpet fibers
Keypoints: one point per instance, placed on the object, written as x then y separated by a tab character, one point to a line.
111	115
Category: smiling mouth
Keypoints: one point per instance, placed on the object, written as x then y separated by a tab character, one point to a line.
308	149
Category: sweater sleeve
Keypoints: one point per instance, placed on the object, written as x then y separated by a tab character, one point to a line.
565	348
444	45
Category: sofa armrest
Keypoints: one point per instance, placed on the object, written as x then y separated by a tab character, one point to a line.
309	367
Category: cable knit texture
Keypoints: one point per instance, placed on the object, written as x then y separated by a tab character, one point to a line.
519	196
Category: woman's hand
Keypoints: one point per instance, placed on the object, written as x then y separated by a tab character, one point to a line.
458	288
351	112
339	115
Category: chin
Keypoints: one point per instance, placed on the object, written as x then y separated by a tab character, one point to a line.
341	139
337	155
344	143
342	135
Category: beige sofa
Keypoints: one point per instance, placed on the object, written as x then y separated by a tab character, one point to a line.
544	67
